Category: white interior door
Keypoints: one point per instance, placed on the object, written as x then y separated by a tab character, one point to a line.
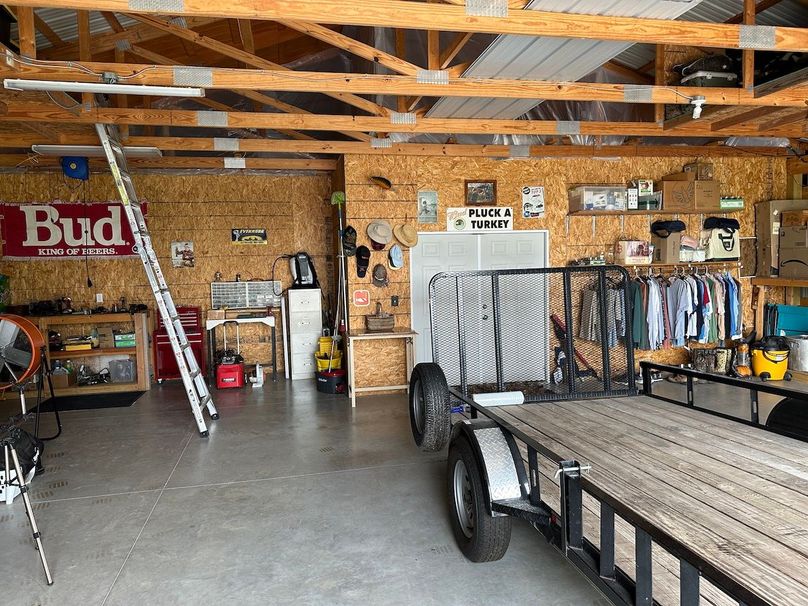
440	252
434	254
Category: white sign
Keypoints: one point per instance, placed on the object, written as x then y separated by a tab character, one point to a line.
480	218
533	201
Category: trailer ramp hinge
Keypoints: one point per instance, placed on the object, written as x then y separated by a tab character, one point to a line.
573	470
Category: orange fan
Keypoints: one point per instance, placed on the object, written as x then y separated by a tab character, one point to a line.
21	345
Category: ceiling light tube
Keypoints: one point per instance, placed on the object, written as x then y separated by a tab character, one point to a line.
103	88
94	151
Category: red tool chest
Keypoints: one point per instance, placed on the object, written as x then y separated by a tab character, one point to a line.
165	365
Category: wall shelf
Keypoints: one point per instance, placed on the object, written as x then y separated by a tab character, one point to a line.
617	213
89	353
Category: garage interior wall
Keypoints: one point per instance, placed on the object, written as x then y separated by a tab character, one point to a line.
754	178
202	208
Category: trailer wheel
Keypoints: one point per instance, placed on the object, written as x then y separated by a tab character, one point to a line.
430	409
789	416
481	537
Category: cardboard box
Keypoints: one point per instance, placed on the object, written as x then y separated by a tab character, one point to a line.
682	193
666	250
767	229
63	379
791	218
645	187
704	171
794	263
707	196
794	237
633	252
678	196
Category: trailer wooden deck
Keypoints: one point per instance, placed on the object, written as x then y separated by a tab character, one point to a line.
735	495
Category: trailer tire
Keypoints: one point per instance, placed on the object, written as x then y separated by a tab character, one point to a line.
789	416
480	536
430	408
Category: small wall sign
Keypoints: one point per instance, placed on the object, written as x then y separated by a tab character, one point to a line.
361	298
532	201
479	218
248	235
182	254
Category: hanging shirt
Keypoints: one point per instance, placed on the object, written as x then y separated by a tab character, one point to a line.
680	306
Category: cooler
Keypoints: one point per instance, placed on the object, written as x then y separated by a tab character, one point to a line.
229	375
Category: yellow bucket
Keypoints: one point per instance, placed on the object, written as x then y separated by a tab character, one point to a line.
770	364
322	360
324	345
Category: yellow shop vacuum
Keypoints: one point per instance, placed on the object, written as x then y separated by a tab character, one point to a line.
770	358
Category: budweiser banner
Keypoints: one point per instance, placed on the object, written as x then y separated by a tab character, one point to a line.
66	230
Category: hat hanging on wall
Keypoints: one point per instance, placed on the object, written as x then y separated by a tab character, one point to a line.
381	182
380	234
349	241
379	275
396	257
406	234
362	261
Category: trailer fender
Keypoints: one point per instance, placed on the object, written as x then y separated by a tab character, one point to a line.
498	457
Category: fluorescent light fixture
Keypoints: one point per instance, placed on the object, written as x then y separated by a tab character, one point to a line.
102	87
94	151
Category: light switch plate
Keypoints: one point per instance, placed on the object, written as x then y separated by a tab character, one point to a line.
99	297
394	300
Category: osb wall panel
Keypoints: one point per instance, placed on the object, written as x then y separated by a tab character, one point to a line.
754	178
202	208
379	363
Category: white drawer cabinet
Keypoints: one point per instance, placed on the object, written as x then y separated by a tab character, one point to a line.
305	322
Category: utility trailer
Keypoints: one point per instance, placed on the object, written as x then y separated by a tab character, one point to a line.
655	502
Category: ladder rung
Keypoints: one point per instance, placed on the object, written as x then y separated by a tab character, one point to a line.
195	374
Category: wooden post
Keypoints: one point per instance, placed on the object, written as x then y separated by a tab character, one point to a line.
83	18
660	79
401	53
748	54
122	101
27	33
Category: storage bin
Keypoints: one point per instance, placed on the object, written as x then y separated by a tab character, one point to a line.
122	371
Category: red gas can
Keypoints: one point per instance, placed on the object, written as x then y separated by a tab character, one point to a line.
229	375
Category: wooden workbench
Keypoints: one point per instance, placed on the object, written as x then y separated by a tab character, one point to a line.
734	494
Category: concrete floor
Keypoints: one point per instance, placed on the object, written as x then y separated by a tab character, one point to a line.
293	499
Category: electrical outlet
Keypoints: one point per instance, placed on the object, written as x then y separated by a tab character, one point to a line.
99	297
394	300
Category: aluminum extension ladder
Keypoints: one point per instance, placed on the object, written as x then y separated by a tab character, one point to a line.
192	378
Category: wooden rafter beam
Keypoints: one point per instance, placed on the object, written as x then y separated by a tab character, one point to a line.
687	117
186	118
137	34
246	34
417	15
250	59
373	84
162	59
206	144
112	21
796	78
249	94
352	46
42	27
457	44
628	72
181	162
730	121
26	31
789	118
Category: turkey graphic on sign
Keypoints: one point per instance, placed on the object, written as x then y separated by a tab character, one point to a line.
361	298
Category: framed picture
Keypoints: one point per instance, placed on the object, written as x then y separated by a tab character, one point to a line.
427	206
481	193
